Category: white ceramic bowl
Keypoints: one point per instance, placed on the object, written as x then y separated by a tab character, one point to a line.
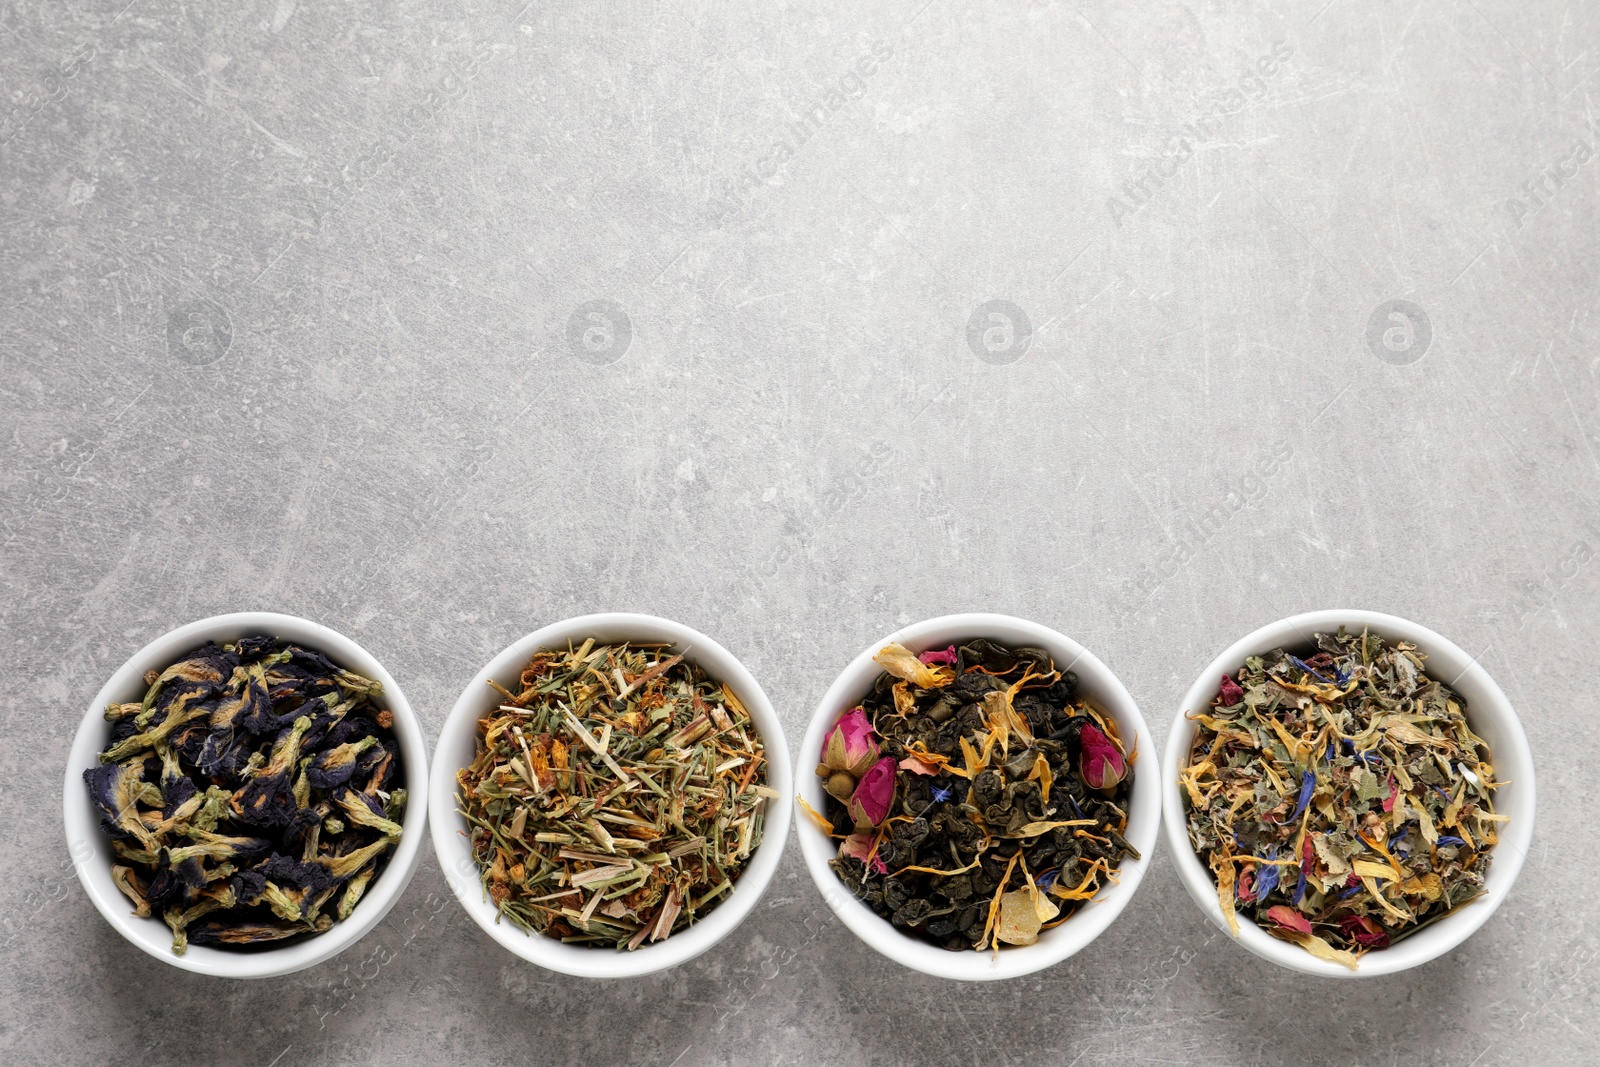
1096	684
457	748
1491	717
91	847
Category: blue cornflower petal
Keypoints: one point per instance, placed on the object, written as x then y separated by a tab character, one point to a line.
1309	669
1266	881
942	795
1451	839
1048	878
1308	784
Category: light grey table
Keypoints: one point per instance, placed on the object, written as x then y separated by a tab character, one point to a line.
436	322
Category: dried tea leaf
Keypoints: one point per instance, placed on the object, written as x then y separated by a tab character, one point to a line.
621	774
1360	769
983	747
258	780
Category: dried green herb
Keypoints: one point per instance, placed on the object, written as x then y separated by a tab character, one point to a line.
616	797
980	800
1341	801
248	794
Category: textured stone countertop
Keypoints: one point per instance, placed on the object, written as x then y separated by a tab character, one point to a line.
436	322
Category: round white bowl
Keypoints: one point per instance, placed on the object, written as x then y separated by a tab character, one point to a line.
91	847
457	748
1096	684
1491	717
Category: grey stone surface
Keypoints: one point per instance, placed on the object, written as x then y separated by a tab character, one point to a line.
298	315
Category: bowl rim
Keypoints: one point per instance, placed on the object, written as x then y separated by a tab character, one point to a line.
1512	754
455	855
1097	682
88	844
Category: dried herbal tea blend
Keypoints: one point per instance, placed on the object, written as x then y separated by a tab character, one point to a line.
248	795
975	799
1341	801
616	797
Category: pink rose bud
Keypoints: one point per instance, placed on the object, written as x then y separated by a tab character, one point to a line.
1099	762
874	795
945	657
849	746
1231	693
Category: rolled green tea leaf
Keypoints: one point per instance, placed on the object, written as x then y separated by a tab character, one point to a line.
976	799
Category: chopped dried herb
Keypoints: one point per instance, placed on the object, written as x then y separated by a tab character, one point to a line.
1341	800
980	800
248	794
616	797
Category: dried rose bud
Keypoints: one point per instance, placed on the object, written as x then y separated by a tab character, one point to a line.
849	745
841	784
869	804
940	656
1231	693
1099	762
